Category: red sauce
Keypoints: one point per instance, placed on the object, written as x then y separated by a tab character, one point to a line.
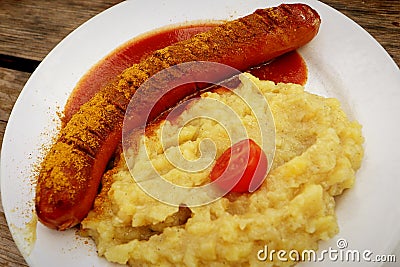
123	57
289	68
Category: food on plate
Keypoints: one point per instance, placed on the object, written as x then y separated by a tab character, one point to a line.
71	171
318	150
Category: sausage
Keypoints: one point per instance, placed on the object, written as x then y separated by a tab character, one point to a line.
71	171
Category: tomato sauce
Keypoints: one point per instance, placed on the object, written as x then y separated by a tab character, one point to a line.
123	57
289	68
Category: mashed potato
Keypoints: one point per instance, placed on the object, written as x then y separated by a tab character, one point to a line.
317	151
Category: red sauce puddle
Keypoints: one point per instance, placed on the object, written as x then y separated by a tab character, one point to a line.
288	68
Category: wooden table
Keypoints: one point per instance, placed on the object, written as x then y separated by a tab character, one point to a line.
30	29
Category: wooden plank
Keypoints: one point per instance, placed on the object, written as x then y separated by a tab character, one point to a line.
30	29
11	84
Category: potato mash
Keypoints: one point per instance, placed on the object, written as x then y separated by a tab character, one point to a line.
317	152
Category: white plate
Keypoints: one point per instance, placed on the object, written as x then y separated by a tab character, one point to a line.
344	61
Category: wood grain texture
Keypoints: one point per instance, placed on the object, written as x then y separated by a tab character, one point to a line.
11	84
29	29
